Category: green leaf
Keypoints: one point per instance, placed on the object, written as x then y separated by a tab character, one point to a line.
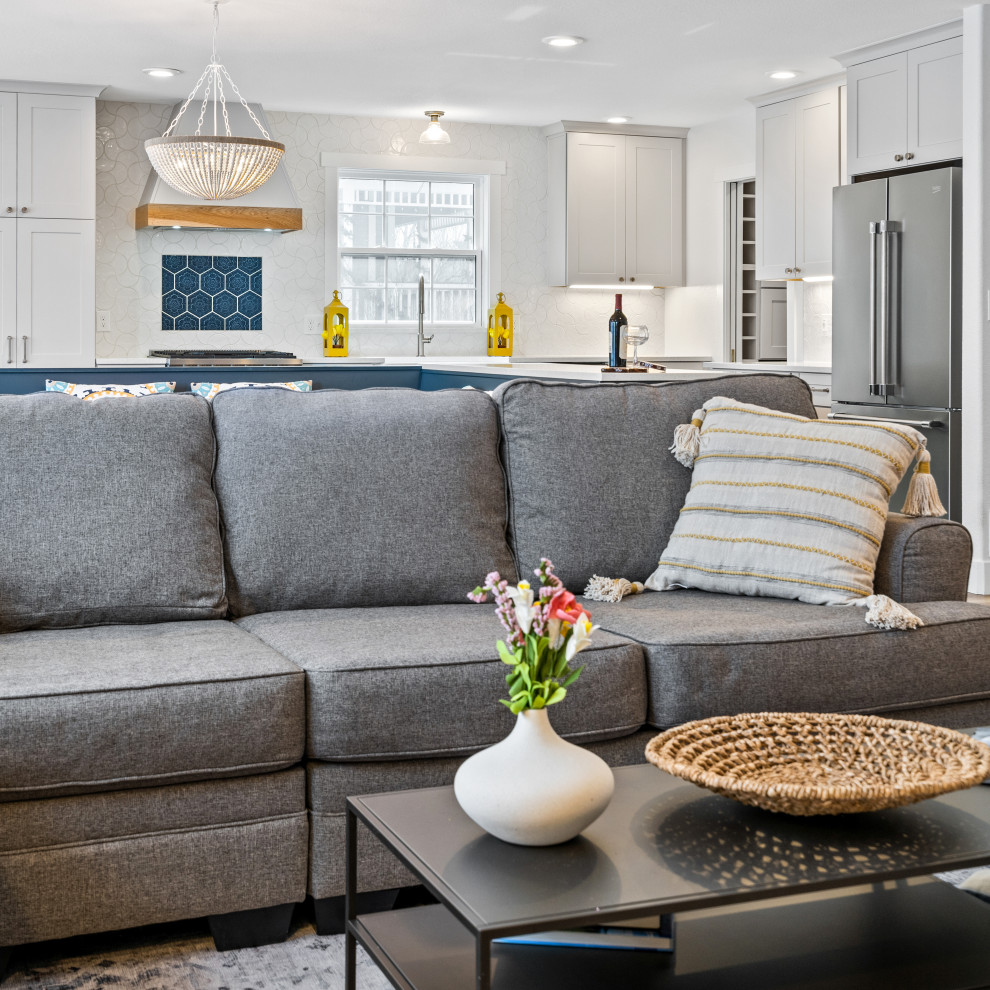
504	655
524	672
574	676
538	702
502	701
558	695
517	706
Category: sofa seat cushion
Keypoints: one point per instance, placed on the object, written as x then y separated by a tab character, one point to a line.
614	512
710	654
343	499
109	512
404	682
131	706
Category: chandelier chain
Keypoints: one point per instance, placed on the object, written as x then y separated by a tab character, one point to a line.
217	72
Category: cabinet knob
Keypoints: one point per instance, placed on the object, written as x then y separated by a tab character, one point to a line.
797	271
621	279
10	209
909	155
24	209
898	158
632	278
788	270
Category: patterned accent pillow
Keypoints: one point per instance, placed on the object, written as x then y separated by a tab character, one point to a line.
211	389
784	506
108	391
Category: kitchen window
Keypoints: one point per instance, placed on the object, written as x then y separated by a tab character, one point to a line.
387	227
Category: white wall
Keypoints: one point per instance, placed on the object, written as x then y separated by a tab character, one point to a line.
547	321
718	152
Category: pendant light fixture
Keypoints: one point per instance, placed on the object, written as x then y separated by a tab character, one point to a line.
434	134
217	166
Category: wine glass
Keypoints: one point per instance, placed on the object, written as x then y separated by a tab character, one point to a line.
636	335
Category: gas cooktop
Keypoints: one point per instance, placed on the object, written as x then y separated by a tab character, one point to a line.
225	358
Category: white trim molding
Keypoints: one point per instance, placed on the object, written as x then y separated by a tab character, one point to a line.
412	163
49	89
891	46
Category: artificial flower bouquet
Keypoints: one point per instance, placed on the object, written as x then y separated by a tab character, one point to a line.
545	634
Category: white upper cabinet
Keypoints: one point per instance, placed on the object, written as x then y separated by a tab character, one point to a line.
797	165
615	209
8	154
56	157
905	108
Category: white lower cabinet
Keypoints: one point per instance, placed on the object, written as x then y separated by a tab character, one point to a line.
47	293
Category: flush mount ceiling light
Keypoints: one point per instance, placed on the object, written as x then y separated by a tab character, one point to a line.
784	74
160	72
434	134
219	166
563	40
617	120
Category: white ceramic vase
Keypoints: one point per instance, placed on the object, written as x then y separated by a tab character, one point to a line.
534	788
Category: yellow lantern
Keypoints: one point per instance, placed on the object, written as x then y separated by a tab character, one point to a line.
500	329
336	328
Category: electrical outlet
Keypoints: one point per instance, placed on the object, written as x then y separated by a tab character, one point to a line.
313	324
103	320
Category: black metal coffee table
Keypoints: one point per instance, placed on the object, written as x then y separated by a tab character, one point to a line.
763	900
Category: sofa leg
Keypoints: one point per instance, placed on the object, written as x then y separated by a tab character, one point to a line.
246	929
329	911
5	953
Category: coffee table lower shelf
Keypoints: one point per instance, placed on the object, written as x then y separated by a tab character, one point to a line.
912	935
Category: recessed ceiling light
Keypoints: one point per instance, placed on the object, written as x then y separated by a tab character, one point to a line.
162	72
563	40
783	74
617	120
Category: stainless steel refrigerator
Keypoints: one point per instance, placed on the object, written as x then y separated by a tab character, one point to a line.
897	310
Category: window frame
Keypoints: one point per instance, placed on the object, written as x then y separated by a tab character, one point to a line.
486	177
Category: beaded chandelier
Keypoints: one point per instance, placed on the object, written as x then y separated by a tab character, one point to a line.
217	166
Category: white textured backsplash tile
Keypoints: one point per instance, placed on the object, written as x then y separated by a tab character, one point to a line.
128	262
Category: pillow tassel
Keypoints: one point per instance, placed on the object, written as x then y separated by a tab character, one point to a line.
922	494
884	613
605	589
687	439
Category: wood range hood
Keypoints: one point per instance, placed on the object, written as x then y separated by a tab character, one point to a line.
272	207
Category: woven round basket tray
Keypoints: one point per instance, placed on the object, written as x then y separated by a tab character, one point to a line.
808	764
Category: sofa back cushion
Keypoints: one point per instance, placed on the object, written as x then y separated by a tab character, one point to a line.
109	512
592	483
358	498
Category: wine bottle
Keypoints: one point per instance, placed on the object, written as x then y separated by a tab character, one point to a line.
617	343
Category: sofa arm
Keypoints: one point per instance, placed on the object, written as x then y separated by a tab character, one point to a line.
923	559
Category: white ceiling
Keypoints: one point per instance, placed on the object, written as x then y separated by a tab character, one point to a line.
675	62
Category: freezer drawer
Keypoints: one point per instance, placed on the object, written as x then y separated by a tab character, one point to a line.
942	431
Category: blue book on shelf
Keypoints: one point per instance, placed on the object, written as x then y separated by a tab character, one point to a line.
636	934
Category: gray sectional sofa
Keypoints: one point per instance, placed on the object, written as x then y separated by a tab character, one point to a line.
216	622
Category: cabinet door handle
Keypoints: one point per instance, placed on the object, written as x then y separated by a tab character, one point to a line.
24	209
898	158
10	350
24	341
909	155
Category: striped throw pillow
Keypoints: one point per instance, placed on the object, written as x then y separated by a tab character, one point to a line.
785	507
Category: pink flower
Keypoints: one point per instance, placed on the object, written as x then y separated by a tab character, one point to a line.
564	606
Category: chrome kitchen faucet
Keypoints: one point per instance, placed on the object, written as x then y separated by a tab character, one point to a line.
421	340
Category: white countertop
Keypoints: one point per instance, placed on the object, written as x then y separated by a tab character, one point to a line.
571	372
778	366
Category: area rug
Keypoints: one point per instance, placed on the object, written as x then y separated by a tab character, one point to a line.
181	956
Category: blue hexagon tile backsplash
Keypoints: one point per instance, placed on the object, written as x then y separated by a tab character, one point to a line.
210	292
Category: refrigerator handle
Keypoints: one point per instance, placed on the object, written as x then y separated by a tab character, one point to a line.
874	384
918	424
886	228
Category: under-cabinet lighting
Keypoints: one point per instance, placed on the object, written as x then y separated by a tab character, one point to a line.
818	278
613	288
